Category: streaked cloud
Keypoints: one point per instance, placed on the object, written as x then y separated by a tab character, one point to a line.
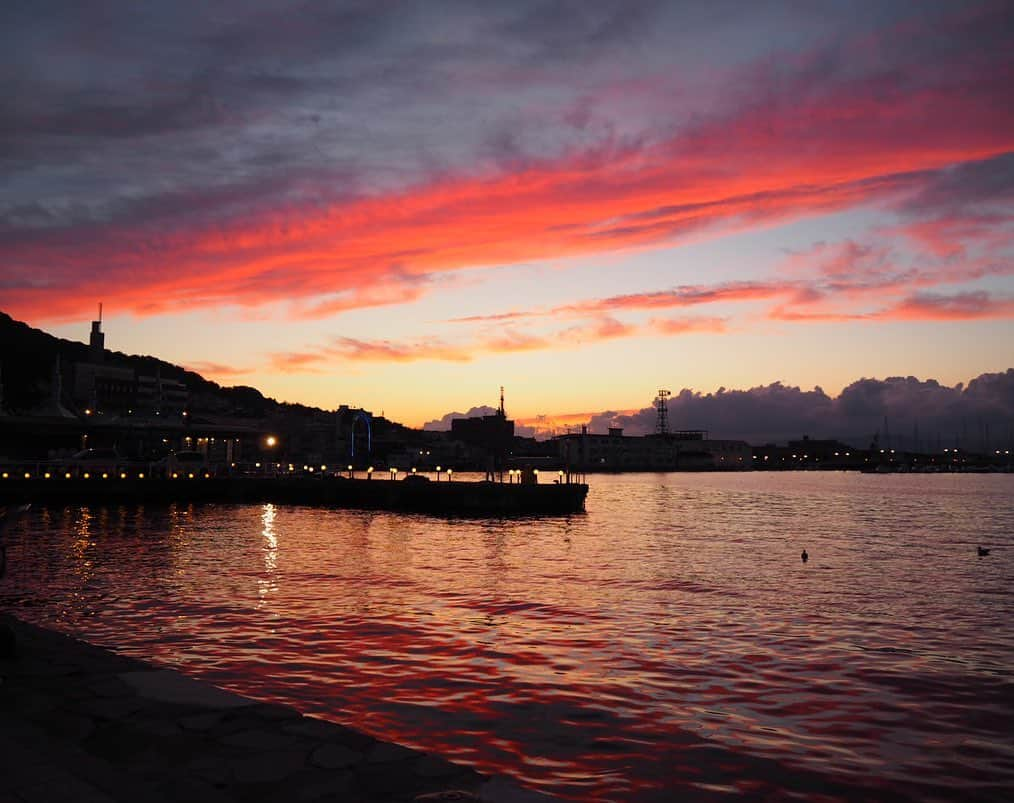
216	370
294	202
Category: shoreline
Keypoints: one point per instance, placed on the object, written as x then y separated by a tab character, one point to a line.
81	722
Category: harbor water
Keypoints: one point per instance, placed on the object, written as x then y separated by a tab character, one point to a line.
669	643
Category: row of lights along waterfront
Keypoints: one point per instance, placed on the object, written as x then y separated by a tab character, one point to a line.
393	473
206	475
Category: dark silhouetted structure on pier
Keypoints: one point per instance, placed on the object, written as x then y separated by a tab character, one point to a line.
492	433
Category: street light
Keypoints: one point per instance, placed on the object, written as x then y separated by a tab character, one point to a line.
450	471
270	441
394	473
369	473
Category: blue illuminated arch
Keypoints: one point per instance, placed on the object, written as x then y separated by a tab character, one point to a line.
365	418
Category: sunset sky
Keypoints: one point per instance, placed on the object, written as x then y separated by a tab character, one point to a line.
405	206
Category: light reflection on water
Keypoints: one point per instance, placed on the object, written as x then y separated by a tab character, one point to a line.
668	641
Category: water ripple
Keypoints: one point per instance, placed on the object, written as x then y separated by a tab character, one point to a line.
668	643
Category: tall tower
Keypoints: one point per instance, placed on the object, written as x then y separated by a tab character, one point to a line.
97	341
503	412
662	419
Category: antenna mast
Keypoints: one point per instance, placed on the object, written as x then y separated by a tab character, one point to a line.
502	411
662	421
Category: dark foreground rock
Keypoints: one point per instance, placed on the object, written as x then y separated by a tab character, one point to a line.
80	723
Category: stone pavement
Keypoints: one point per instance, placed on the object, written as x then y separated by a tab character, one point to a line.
79	723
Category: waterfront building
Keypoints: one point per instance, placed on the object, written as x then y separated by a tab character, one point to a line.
99	387
102	388
161	396
494	433
683	450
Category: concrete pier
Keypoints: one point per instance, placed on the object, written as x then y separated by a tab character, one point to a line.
80	723
413	494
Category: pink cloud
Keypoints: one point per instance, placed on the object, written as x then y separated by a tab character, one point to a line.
978	305
297	362
966	306
794	148
350	348
214	369
680	326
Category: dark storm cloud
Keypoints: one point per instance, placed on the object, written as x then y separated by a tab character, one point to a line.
247	89
177	132
957	415
988	181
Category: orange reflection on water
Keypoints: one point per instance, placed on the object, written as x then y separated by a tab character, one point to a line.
670	642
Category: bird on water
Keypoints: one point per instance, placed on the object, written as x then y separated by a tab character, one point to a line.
804	557
982	551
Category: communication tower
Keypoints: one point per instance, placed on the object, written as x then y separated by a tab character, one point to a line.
662	406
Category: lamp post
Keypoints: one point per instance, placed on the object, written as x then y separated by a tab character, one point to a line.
394	472
369	473
350	471
438	473
450	471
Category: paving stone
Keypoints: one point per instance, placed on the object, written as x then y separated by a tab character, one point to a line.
260	740
191	790
162	727
45	669
111	707
32	703
211	770
324	787
274	713
385	752
200	722
334	756
350	738
504	790
109	687
261	769
70	726
430	766
312	727
115	743
172	687
382	781
448	796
